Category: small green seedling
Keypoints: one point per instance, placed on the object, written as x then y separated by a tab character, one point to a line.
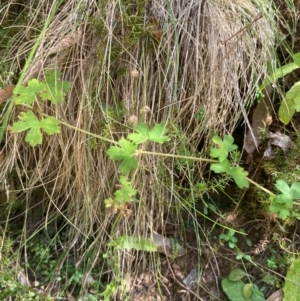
229	237
282	204
224	147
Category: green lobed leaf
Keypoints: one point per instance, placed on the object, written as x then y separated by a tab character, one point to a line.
142	134
282	205
27	120
239	176
223	166
224	147
284	201
218	153
228	143
50	125
157	134
283	187
142	128
284	213
128	164
126	193
125	151
55	89
26	95
295	190
34	136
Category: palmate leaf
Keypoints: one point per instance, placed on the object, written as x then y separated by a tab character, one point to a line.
126	193
239	176
282	204
156	134
124	152
295	190
55	89
142	134
26	95
283	187
50	125
224	166
29	121
34	136
292	192
224	147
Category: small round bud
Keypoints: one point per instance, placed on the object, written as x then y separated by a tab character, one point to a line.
132	120
134	73
145	110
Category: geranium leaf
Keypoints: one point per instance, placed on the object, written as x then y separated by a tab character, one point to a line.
124	152
224	147
55	88
142	134
295	190
50	125
27	120
157	134
283	187
34	136
223	166
239	176
26	95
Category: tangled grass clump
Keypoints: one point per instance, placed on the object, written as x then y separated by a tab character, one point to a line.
192	64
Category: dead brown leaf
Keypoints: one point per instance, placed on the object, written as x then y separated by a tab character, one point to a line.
277	296
6	93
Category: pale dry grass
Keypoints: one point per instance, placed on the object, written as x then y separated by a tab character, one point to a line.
191	56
